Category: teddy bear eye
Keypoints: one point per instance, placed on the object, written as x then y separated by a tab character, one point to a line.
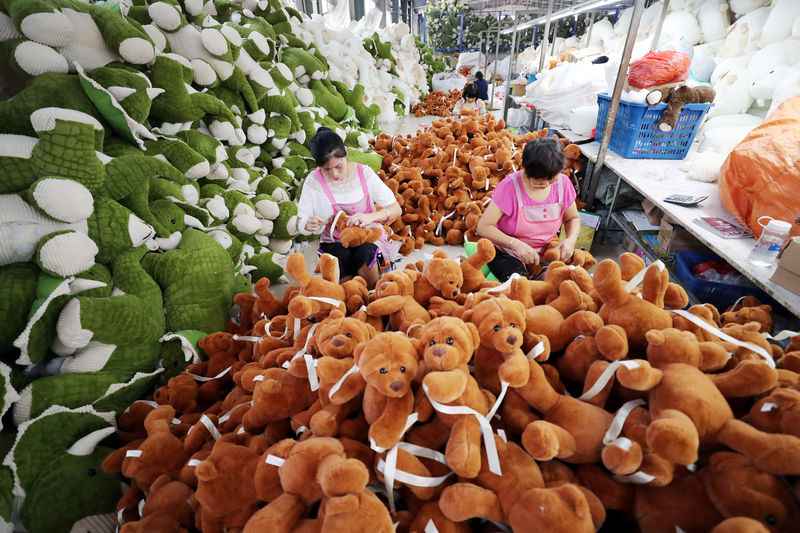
770	519
402	369
512	325
450	340
432	343
348	335
497	328
383	370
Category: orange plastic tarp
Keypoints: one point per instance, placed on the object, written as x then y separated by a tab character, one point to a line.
761	176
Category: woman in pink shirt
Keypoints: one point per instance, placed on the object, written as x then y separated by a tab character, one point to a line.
528	208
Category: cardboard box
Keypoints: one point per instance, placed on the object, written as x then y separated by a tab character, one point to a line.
653	213
788	272
674	238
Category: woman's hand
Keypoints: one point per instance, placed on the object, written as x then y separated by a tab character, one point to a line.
567	250
526	253
362	219
314	224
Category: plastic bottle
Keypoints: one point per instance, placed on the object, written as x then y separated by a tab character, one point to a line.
769	244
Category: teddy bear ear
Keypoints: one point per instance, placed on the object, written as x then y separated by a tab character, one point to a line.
418	346
357	351
466	316
369	330
655	337
336	313
476	336
765	308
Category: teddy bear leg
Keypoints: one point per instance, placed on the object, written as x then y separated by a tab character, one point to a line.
433	434
674	437
463	501
544	441
612	493
775	453
661	470
325	422
516	413
612	342
592	375
463	451
515	370
748	378
279	516
623	456
412	465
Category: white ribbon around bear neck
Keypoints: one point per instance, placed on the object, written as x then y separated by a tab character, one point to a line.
483	422
198	377
311	363
724	336
274	460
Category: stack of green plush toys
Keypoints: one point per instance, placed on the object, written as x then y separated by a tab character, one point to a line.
148	172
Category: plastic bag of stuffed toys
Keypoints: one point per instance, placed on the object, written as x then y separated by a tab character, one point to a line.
444	401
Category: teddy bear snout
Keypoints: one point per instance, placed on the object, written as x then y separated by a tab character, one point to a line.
396	386
337	342
511	339
438	351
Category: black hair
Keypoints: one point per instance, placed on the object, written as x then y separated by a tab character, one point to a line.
543	158
326	144
479	75
470	91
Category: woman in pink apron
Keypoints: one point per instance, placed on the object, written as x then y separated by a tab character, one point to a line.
338	185
527	210
469	101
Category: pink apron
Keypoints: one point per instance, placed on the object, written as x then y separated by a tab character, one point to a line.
537	220
362	206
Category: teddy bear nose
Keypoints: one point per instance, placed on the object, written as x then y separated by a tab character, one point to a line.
511	339
438	351
396	386
382	287
337	342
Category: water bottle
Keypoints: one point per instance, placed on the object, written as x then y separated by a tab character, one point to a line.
769	244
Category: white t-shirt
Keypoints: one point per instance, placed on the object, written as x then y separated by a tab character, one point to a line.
314	201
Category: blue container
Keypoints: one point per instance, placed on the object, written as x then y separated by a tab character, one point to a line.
720	295
636	134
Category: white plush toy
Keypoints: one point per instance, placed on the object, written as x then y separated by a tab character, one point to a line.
769	65
681	26
788	86
778	25
733	93
713	19
743	34
720	136
743	7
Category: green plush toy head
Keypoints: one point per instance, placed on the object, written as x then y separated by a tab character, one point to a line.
63	444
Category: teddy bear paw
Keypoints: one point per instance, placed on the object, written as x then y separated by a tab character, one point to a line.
622	456
545	441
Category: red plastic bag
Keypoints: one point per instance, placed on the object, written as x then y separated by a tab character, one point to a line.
761	176
658	68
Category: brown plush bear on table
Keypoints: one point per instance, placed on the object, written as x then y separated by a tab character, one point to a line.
676	98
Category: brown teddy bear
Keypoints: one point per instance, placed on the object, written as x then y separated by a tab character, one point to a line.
165	509
676	98
518	497
394	297
500	322
446	345
352	236
755	313
388	363
441	277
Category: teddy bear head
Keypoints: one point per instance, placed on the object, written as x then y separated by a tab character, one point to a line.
180	392
572	151
737	488
444	275
396	282
446	342
220	342
777	413
673	346
352	236
388	362
760	313
337	336
500	322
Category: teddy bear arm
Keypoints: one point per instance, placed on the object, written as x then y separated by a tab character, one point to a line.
774	453
423	407
462	501
386	305
280	515
388	428
515	369
673	436
748	378
445	386
544	441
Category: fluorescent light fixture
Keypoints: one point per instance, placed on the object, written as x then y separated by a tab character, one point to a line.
566	12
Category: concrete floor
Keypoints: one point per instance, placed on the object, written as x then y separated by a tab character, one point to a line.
612	247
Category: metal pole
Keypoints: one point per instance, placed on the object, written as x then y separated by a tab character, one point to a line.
575	26
486	57
544	35
508	79
589	32
494	69
661	18
461	35
424	28
553	46
622	73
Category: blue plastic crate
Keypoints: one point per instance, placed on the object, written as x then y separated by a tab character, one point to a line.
636	134
720	295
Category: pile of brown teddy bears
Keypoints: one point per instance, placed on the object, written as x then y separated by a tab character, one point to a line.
441	401
444	176
437	103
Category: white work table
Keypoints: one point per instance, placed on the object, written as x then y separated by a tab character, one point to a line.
656	179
